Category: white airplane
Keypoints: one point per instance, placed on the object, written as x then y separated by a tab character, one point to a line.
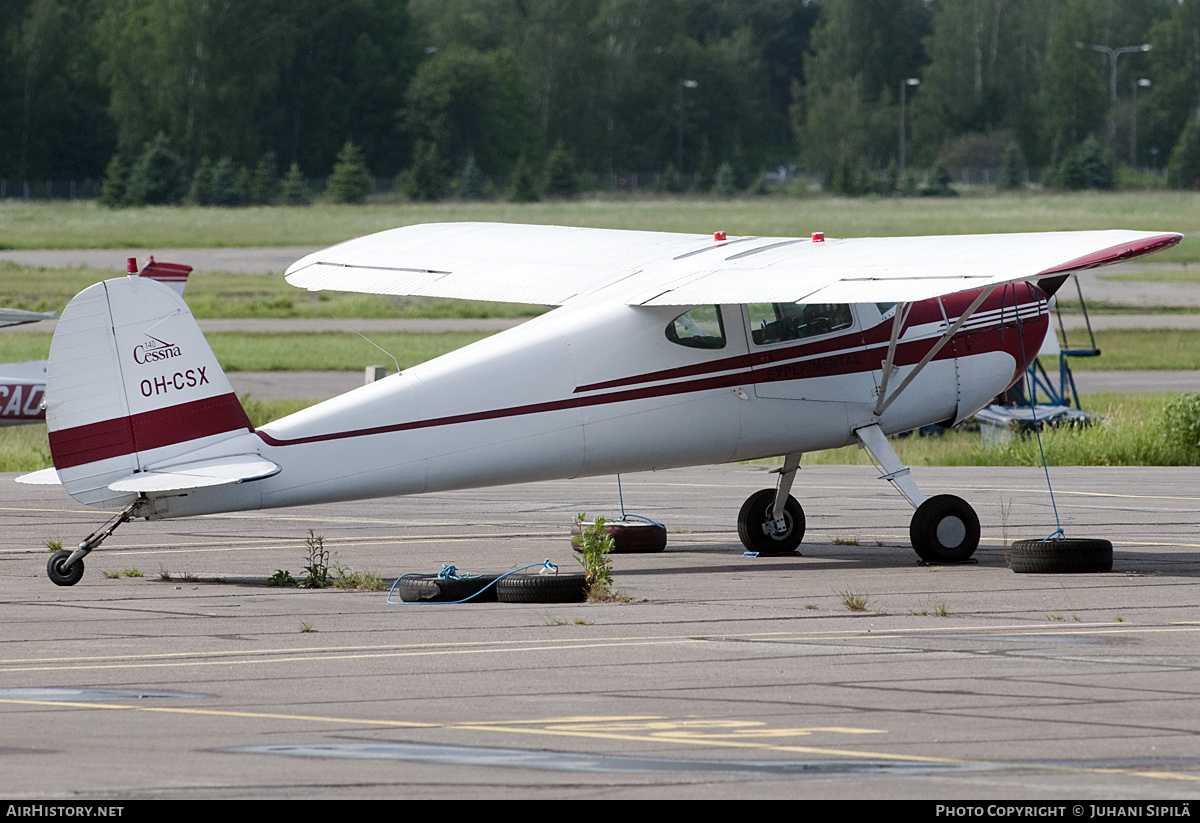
23	385
666	350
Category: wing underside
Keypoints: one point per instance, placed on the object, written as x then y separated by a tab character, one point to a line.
552	265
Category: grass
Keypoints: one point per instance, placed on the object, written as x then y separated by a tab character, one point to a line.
235	295
1135	431
855	602
290	351
1121	350
84	224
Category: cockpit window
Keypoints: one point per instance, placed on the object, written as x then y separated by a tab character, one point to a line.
777	322
700	328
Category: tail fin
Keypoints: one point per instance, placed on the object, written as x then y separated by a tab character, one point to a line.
132	385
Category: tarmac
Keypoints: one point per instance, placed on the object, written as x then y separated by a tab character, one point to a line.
714	676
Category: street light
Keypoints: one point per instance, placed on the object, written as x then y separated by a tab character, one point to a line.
1113	54
683	84
904	84
1140	83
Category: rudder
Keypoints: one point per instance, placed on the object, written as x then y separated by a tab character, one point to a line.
131	384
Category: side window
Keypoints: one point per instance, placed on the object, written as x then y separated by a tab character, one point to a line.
777	322
700	328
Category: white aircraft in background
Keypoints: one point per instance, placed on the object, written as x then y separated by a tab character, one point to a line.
666	350
22	385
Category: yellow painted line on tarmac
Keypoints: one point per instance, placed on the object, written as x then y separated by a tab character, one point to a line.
596	728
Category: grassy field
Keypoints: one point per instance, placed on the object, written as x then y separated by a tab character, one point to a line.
225	294
1136	430
1122	350
57	225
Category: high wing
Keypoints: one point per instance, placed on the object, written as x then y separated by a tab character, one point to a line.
552	265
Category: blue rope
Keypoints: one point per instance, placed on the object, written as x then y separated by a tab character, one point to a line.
1037	431
627	517
449	572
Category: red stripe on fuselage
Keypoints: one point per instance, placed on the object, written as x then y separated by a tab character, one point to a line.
147	430
1023	347
1007	300
158	428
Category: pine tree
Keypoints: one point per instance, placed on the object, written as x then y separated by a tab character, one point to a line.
113	189
293	192
522	189
351	181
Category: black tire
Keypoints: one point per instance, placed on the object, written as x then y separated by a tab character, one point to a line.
630	538
60	576
1063	556
542	588
416	588
753	518
945	529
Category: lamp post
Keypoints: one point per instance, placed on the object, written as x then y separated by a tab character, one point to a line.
1113	54
1140	83
683	84
904	84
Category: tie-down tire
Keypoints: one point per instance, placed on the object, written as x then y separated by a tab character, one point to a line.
944	529
1065	555
754	524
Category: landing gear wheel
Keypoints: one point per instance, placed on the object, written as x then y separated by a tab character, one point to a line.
1063	556
60	576
945	529
630	538
754	525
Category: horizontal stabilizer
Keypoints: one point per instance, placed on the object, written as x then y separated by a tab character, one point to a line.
43	477
217	472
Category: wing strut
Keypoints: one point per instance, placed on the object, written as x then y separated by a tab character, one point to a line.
885	399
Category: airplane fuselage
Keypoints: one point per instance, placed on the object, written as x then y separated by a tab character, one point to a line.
603	388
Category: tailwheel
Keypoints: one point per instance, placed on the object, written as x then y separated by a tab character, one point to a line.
60	574
945	529
65	568
757	527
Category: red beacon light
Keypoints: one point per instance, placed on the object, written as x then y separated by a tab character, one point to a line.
719	235
818	237
131	265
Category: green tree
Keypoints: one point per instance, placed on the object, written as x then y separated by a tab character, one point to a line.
293	192
862	50
427	179
345	78
226	190
522	189
469	104
202	182
114	189
351	180
561	179
1183	169
195	70
158	176
54	124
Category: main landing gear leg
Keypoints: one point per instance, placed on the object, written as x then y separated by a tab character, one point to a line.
65	568
771	522
944	529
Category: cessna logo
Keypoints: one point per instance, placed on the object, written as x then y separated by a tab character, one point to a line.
154	350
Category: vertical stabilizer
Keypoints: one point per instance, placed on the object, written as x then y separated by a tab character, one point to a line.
131	383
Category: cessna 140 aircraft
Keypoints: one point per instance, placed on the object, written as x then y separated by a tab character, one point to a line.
666	350
22	385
